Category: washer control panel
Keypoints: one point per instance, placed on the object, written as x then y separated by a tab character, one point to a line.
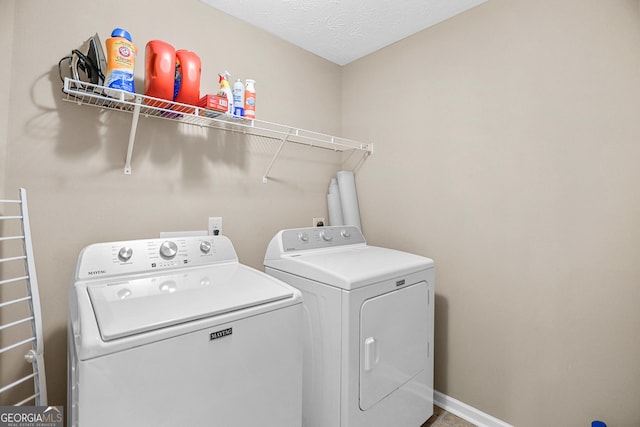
320	237
139	256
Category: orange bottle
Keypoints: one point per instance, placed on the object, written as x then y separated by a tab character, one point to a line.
160	67
250	100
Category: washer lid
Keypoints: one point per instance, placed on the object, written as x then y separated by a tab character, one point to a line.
351	267
130	307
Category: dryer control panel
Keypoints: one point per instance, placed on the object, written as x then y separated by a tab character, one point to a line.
139	256
298	239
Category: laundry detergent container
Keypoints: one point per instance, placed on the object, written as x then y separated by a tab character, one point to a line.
160	68
187	77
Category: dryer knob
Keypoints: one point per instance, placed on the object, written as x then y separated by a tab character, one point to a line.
168	249
125	253
205	247
326	237
303	237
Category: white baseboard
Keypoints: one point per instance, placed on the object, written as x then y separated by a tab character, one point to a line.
466	412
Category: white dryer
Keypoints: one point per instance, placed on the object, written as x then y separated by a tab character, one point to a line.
179	333
368	328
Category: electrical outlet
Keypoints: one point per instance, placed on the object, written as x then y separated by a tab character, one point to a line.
215	226
319	222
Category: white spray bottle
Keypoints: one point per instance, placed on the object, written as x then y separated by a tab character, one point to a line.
226	89
238	98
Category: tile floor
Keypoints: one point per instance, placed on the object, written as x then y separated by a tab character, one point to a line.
442	418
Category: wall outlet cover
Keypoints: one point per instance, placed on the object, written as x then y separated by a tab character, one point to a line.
215	226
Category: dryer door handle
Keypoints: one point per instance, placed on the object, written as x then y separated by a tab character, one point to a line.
371	353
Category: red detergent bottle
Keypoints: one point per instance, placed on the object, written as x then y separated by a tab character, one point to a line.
160	66
187	77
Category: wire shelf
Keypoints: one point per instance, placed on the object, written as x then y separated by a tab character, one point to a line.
83	93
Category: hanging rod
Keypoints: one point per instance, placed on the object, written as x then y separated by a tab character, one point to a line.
16	345
16	323
15	383
13	280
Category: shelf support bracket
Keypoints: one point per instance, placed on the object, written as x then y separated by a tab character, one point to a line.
132	134
283	141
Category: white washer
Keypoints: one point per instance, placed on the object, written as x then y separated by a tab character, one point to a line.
368	329
179	333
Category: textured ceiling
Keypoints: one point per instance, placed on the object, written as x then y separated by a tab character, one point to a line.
342	30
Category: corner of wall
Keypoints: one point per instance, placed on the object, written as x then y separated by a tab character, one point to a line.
6	45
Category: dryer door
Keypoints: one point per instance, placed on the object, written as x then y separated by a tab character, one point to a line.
394	335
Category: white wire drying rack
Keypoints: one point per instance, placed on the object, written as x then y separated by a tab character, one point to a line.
20	316
84	93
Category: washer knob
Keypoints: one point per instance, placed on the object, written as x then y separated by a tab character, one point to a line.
168	249
205	246
326	237
345	233
125	253
303	237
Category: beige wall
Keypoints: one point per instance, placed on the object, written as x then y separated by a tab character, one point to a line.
6	46
508	150
71	158
511	159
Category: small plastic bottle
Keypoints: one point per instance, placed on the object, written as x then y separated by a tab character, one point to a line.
250	100
238	98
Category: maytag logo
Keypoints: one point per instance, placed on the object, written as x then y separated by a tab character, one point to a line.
96	272
220	334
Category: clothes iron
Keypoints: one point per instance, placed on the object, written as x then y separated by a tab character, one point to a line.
88	63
